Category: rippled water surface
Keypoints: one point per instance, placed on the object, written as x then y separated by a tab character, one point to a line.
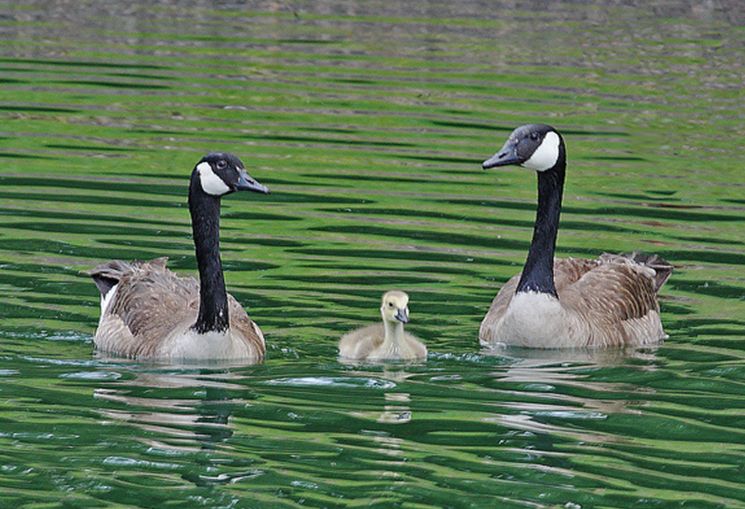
369	122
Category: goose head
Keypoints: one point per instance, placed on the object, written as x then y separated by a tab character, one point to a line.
394	307
220	173
537	147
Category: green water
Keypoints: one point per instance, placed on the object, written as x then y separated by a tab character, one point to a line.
369	122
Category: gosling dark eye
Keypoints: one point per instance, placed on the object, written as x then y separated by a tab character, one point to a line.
221	164
390	304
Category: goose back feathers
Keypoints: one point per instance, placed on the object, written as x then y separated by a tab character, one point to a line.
150	312
610	301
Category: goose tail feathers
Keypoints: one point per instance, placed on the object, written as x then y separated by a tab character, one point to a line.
661	267
107	275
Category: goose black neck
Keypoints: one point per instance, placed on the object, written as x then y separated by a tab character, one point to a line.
538	272
205	224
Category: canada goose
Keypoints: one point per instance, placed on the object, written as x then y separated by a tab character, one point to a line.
148	312
609	301
387	340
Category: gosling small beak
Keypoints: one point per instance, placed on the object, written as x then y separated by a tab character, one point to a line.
508	155
247	183
402	315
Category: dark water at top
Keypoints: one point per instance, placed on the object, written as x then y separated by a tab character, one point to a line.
369	122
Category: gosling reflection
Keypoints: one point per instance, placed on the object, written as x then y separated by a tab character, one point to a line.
396	409
386	340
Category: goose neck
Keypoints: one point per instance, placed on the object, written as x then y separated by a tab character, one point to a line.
538	272
205	223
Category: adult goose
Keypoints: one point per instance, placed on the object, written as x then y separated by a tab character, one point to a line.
565	303
148	312
386	340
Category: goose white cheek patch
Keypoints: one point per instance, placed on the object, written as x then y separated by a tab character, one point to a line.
546	155
211	183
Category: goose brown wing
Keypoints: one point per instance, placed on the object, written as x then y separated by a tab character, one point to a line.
661	267
610	291
567	271
151	301
241	324
108	274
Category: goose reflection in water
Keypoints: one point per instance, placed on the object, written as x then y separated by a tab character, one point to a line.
547	374
199	418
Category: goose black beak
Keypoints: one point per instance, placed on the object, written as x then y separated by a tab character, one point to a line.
247	183
508	155
402	315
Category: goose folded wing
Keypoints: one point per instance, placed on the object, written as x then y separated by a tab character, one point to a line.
152	301
611	293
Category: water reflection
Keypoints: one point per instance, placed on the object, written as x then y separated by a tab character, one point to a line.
396	409
550	391
187	410
569	366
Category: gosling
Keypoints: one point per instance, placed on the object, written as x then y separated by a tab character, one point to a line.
387	340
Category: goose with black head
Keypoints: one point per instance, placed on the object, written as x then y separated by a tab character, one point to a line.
569	303
148	312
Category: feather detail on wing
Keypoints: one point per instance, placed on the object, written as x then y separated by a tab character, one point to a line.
661	267
242	325
611	292
107	275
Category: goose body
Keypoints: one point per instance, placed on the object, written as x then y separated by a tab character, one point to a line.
148	312
386	340
569	303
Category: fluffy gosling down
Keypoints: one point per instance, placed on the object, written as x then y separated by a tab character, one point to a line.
386	340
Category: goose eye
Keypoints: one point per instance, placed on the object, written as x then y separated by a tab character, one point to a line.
390	304
533	136
221	164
